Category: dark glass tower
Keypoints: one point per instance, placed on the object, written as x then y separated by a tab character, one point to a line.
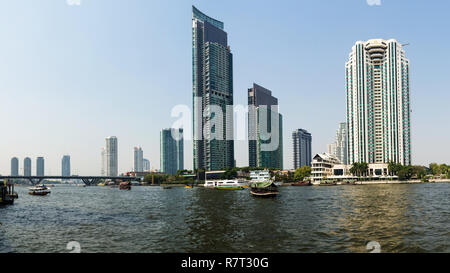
212	68
263	112
171	153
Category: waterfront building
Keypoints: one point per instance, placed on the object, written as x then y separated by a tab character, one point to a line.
27	166
265	130
212	69
322	166
111	156
146	164
171	150
14	166
65	165
138	159
302	152
40	166
260	175
378	103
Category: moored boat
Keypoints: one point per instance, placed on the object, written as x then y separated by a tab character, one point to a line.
125	185
303	183
6	194
264	189
328	184
39	190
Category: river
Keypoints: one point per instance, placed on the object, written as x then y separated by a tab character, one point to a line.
401	218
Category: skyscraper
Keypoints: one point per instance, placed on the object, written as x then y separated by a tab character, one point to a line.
265	130
40	166
27	166
302	148
339	147
146	164
111	156
103	156
14	166
171	153
65	165
212	68
378	103
138	159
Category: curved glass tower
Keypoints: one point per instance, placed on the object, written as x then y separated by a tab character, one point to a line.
212	70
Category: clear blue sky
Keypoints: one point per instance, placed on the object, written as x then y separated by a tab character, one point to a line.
72	75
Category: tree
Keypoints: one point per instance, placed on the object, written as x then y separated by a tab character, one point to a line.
359	169
302	173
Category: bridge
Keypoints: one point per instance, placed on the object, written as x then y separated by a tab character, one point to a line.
88	180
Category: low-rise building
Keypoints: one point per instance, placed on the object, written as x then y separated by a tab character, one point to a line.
322	166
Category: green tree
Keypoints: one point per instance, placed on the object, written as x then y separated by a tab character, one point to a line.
302	173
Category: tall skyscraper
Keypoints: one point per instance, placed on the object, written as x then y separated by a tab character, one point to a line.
65	165
171	147
14	166
111	156
27	166
103	156
146	164
302	148
40	166
265	130
138	159
340	148
378	103
212	68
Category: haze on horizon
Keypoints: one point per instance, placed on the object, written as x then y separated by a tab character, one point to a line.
71	75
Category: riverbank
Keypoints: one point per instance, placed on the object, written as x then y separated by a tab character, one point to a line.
401	182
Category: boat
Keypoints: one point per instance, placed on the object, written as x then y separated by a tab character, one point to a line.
236	184
6	194
264	189
328	184
166	187
125	185
188	187
101	184
39	190
303	183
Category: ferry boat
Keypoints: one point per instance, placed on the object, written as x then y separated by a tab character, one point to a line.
236	184
264	189
39	190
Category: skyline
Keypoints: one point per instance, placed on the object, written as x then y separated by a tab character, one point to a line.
74	118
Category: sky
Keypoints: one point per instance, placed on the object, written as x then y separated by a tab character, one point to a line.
73	72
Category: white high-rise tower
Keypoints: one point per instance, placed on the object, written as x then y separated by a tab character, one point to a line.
138	159
378	103
111	156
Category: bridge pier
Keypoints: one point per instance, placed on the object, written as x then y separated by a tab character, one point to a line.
35	181
90	181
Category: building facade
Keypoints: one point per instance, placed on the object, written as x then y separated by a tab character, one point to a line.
265	129
212	68
378	103
138	159
111	156
14	166
27	166
40	166
65	165
302	152
322	166
171	150
146	164
339	147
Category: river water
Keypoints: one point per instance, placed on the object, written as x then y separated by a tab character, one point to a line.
401	218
